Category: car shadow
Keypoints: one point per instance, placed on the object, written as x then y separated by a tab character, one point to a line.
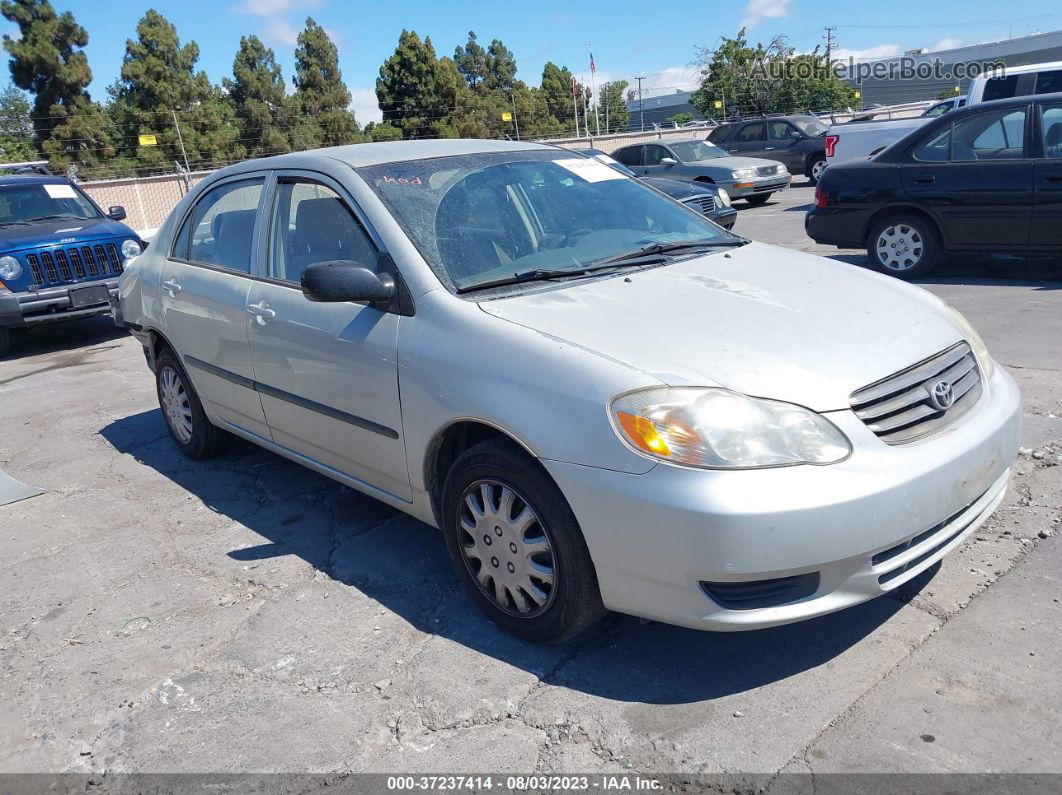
403	565
1039	273
65	336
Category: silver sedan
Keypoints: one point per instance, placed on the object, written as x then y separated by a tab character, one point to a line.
603	400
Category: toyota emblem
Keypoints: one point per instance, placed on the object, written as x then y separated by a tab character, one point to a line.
941	395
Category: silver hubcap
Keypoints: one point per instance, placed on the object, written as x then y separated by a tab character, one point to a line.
175	404
817	168
506	548
899	247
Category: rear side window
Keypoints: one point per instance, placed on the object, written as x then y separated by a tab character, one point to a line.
220	227
631	156
1000	88
751	132
312	224
1049	82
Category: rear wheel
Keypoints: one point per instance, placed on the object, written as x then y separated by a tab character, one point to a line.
193	433
517	546
905	246
759	198
818	165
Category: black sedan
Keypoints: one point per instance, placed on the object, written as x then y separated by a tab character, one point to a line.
984	178
707	199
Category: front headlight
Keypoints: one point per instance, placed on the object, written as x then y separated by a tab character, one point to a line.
10	268
743	173
719	429
969	333
724	197
130	249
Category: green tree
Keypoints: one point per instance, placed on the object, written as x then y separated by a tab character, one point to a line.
473	63
418	94
501	66
256	91
320	93
613	110
16	128
557	93
158	84
680	118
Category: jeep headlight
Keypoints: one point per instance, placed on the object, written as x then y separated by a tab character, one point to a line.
743	173
10	268
714	428
969	333
130	249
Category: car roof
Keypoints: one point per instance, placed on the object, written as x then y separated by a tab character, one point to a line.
1018	101
1025	69
32	179
372	154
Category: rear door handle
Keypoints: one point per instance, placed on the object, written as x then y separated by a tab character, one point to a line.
925	180
261	312
768	149
1054	178
172	286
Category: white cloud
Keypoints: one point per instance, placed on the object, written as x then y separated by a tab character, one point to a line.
869	54
665	81
948	43
268	8
758	10
280	31
364	104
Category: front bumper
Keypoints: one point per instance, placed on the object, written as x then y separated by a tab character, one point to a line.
741	189
50	304
726	217
865	526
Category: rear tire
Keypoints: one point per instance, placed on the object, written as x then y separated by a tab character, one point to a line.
904	246
192	432
759	198
517	546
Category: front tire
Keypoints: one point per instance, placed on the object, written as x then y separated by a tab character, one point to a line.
517	546
192	432
905	246
759	198
815	169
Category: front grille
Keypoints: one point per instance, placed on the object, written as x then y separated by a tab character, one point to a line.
901	408
59	265
753	594
702	204
768	171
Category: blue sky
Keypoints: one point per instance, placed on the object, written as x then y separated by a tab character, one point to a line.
629	38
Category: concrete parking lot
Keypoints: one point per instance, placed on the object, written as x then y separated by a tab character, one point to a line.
245	614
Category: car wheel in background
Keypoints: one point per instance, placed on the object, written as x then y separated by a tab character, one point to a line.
903	245
818	165
193	433
517	546
759	198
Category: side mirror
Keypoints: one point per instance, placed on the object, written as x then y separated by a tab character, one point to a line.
668	161
795	135
345	280
116	213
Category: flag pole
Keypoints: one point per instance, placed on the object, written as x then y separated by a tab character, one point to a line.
593	83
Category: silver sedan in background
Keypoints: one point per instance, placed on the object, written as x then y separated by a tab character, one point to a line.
602	399
753	179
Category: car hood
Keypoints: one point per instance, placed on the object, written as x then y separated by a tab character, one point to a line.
678	189
765	321
731	162
60	232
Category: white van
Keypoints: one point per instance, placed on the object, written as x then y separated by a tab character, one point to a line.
1016	81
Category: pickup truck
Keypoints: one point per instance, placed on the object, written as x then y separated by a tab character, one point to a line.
859	139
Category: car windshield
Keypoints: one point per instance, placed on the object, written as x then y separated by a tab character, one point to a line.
811	127
689	151
43	201
486	217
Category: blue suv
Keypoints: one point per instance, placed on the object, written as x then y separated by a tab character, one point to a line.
60	255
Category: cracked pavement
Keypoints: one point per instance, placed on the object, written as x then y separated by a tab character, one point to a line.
246	614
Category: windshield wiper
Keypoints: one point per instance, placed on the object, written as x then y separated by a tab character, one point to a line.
56	217
656	249
547	274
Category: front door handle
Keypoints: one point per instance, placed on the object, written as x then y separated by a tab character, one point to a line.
172	286
768	149
261	312
1054	178
927	179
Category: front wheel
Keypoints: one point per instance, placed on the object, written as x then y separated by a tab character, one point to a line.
517	546
818	165
759	198
904	246
193	433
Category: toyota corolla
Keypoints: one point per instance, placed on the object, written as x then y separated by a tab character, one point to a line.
603	400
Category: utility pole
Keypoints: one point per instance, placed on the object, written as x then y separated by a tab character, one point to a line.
830	42
641	105
516	121
180	138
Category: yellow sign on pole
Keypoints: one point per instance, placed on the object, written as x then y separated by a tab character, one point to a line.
718	103
507	116
858	94
148	140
